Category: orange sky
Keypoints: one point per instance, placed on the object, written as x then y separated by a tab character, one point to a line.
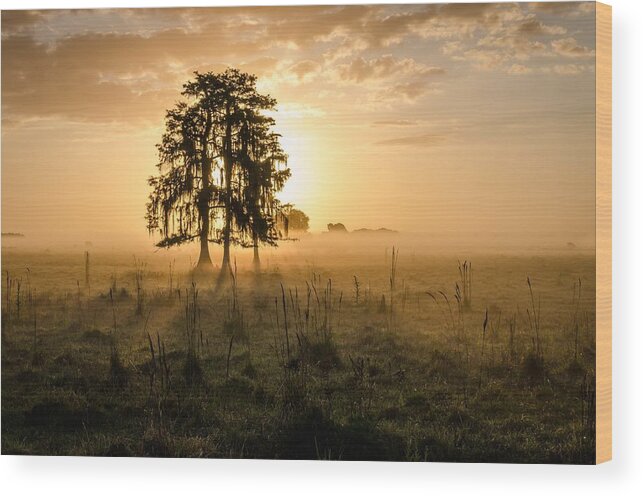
476	119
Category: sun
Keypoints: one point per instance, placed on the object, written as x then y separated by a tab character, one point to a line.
300	186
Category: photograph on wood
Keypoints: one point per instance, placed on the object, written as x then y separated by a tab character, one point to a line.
365	232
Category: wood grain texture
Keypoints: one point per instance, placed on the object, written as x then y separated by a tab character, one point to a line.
603	232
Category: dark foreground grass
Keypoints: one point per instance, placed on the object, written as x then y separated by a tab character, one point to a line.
307	373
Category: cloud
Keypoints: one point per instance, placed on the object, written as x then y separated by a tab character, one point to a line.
386	28
558	69
382	67
304	68
518	69
106	76
521	39
562	8
514	35
395	123
298	27
465	11
569	69
108	70
344	49
513	47
452	47
423	140
299	111
124	64
485	59
569	47
534	27
80	81
262	66
19	21
408	92
52	26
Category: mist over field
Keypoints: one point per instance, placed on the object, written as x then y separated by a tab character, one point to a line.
322	356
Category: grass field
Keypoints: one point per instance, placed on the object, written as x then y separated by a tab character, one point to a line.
329	353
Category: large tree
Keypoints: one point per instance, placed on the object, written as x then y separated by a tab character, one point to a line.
220	167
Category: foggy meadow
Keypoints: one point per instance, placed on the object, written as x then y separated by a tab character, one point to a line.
341	348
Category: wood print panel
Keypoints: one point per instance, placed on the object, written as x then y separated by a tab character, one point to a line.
361	232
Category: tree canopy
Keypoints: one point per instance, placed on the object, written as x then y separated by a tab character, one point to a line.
298	221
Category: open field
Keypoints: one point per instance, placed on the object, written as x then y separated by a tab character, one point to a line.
330	353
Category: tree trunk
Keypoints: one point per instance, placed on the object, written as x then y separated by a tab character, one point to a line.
226	269
205	262
225	264
203	203
256	262
226	236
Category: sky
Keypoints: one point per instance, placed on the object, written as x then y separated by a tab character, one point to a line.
469	122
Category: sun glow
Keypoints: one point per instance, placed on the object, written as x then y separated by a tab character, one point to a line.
297	144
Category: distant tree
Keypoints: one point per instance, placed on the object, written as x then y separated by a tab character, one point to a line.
297	221
220	168
337	228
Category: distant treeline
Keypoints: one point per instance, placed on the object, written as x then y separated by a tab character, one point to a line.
381	230
341	228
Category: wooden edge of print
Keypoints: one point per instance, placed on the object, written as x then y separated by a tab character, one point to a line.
603	232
